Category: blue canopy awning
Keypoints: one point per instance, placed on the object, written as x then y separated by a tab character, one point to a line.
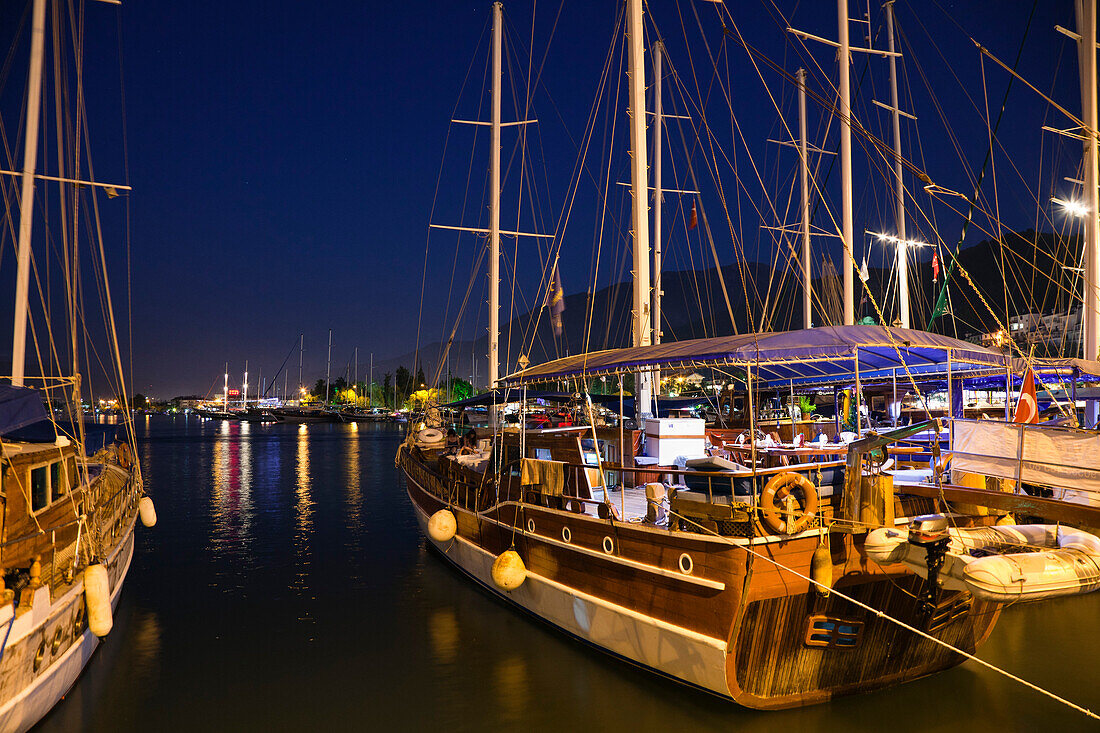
19	407
96	435
827	352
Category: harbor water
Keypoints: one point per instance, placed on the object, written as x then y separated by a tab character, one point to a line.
286	587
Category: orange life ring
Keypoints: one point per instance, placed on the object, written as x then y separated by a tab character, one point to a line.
777	489
124	457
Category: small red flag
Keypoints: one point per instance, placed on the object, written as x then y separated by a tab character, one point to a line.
935	266
694	220
1027	407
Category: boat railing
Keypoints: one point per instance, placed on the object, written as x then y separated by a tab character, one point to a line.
718	483
1057	462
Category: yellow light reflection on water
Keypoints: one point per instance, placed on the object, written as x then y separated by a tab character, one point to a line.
304	506
303	522
354	495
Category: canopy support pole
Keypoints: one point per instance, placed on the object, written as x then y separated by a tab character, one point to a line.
896	405
622	437
1073	395
950	403
836	413
859	398
794	421
752	426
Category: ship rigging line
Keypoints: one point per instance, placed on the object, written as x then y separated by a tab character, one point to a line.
898	622
937	309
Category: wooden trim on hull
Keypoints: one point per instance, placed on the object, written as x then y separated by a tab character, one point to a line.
744	633
777	669
678	653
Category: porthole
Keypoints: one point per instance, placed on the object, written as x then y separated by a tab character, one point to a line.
78	622
56	641
531	526
686	565
566	535
39	656
608	545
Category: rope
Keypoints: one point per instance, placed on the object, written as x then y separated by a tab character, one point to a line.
7	633
898	622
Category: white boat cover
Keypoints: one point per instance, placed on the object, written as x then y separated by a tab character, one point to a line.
1062	458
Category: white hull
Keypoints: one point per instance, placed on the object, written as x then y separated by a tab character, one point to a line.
670	650
57	677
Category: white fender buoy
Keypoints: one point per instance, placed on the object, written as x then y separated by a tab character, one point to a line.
442	526
509	571
147	511
821	569
97	596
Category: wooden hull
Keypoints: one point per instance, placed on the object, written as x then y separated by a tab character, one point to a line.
58	628
737	625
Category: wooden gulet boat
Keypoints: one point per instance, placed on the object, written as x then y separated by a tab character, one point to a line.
772	586
71	494
715	596
65	548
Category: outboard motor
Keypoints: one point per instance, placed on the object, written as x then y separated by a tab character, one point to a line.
930	532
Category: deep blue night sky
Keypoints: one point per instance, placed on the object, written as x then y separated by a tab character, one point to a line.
285	156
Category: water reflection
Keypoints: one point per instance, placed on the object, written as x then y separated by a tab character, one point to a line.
146	636
443	632
513	688
232	486
354	490
303	532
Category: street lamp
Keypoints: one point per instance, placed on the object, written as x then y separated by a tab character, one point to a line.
1072	208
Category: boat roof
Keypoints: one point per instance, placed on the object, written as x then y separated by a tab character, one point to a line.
815	354
19	407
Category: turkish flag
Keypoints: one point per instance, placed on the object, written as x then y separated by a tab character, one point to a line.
694	220
1027	407
935	266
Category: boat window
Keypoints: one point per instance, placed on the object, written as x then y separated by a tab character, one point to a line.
542	454
74	479
57	484
40	488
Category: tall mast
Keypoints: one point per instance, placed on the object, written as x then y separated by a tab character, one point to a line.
804	176
301	352
639	219
328	366
370	389
1090	313
848	259
899	186
658	194
225	392
244	387
355	376
26	198
844	51
494	206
